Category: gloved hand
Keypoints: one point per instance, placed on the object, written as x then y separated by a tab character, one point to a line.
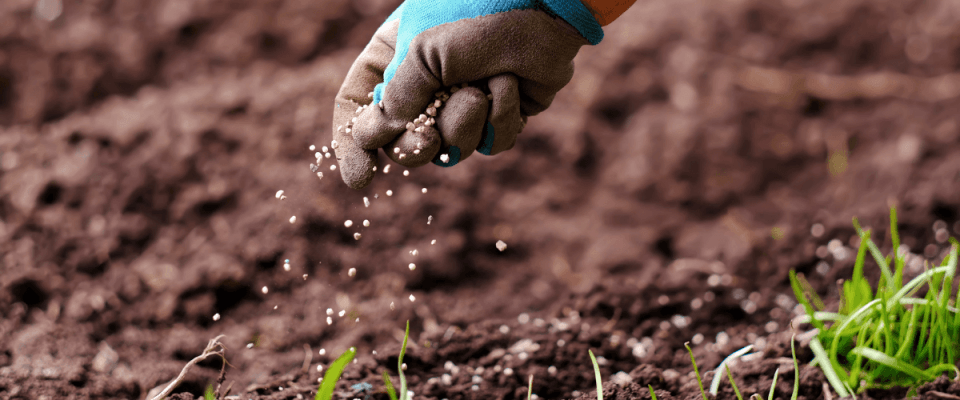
514	54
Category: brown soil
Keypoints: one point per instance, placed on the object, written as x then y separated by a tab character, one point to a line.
662	199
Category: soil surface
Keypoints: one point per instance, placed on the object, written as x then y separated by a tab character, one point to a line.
702	150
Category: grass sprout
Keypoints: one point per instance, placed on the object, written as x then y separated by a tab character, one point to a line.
403	380
897	334
696	371
330	378
715	384
652	394
530	388
596	371
733	383
736	390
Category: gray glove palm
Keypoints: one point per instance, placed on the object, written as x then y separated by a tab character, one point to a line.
515	59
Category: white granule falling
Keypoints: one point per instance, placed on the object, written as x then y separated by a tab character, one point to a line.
286	267
327	155
412	266
366	223
293	219
334	144
319	368
264	290
348	223
396	150
424	190
406	172
342	313
249	345
216	317
322	351
417	151
501	245
312	147
324	149
429	218
386	169
352	272
279	193
433	242
320	175
413	252
318	155
392	306
356	236
445	157
329	321
366	202
374	168
305	276
412	298
329	311
333	167
389	193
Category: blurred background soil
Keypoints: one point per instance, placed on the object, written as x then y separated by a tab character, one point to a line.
702	150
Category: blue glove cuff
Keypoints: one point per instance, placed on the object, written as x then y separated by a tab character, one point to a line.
576	14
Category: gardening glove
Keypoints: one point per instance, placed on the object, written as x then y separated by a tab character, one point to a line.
514	55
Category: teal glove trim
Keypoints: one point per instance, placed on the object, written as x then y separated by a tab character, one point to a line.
486	143
576	14
417	16
453	152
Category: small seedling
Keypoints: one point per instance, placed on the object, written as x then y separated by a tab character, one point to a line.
330	378
208	393
652	394
403	380
596	371
885	336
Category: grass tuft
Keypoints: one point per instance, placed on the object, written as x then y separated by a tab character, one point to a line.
897	334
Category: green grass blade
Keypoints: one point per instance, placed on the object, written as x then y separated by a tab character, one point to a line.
736	390
530	388
333	373
914	285
653	395
403	349
390	390
801	296
596	370
883	359
827	366
796	368
696	371
895	238
715	384
877	255
773	386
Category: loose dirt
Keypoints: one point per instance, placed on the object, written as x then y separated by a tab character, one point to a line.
702	150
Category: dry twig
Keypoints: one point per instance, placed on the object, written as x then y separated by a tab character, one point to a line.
214	347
